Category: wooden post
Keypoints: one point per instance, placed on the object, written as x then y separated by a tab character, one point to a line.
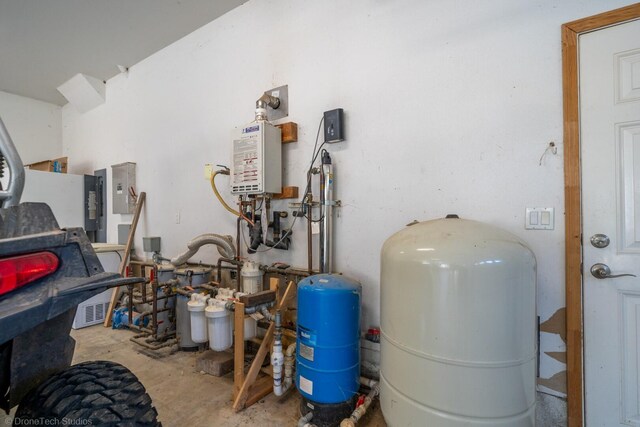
115	293
274	284
242	398
238	350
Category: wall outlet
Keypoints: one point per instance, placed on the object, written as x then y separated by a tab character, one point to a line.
178	217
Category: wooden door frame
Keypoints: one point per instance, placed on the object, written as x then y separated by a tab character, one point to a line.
572	192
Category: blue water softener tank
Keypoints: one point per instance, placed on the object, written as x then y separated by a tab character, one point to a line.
328	347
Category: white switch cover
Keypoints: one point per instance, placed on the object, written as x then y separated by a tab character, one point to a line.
539	219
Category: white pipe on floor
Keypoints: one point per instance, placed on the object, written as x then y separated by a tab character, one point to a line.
359	412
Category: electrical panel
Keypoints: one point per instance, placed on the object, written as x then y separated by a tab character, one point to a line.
123	178
256	163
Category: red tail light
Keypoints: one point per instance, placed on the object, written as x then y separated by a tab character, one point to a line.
19	270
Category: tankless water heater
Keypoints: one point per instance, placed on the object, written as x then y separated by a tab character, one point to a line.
256	164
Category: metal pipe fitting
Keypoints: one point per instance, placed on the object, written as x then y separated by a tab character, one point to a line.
263	102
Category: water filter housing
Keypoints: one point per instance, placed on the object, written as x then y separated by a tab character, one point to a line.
196	308
187	277
458	326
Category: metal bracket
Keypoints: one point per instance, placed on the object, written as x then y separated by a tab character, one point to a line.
282	93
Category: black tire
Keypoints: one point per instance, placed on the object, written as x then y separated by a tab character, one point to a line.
91	393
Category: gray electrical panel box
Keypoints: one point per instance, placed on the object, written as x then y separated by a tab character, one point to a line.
123	177
151	244
123	233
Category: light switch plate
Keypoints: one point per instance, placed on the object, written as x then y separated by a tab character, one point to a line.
539	219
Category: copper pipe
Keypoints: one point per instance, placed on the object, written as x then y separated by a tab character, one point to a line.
149	301
184	292
144	290
150	313
153	347
211	286
291	271
234	262
142	329
154	317
237	257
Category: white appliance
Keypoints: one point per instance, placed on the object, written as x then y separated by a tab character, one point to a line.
94	310
256	164
61	191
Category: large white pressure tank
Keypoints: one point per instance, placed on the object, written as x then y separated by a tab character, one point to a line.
458	324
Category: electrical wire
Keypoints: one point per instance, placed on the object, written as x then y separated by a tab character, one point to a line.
226	206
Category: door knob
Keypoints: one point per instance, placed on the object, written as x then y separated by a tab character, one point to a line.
602	271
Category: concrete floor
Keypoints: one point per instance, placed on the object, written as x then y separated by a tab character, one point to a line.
183	396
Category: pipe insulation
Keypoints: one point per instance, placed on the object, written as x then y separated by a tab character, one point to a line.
224	243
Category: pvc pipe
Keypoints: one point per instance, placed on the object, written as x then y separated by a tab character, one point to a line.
368	382
267	314
304	420
359	412
289	360
277	357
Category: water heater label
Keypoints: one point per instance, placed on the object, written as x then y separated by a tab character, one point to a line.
306	352
306	385
250	129
246	163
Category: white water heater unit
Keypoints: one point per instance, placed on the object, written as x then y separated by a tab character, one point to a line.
458	325
256	164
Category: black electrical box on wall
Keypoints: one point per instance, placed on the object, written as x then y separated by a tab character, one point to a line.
334	125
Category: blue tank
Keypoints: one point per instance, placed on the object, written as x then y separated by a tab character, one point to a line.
328	345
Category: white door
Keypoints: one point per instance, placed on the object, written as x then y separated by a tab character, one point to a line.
610	141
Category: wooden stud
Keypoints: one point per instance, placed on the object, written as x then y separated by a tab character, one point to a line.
258	298
115	294
572	176
238	349
261	388
242	397
274	285
287	193
289	132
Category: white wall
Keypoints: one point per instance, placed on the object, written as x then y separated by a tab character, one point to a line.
34	126
449	107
